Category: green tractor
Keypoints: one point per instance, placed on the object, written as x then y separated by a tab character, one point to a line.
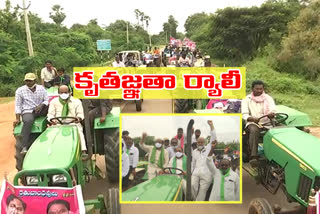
55	158
288	161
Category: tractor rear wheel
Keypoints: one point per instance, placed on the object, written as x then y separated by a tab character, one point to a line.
19	157
138	105
111	153
181	106
112	201
260	206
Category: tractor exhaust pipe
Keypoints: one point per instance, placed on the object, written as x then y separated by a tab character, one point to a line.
188	150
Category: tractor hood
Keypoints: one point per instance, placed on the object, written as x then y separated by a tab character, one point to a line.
294	143
160	188
56	147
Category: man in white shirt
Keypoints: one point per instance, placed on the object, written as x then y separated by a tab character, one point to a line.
201	176
133	154
117	63
67	106
254	106
48	73
174	145
158	156
179	161
225	181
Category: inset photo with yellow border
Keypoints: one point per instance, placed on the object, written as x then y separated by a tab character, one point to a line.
180	158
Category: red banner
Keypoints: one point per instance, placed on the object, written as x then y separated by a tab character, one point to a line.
37	200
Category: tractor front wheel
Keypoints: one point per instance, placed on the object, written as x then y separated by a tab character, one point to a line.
260	206
181	106
111	152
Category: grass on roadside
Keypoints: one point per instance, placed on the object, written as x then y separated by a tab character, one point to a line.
4	100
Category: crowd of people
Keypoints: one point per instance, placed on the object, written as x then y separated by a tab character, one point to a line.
207	170
168	56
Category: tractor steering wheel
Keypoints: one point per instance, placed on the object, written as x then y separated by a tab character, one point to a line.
62	120
278	118
172	168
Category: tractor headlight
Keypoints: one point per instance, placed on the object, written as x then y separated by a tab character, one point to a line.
32	180
57	179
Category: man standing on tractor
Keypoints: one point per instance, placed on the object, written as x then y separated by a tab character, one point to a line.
133	154
195	137
48	73
201	176
225	181
254	106
179	161
31	102
158	156
67	106
125	166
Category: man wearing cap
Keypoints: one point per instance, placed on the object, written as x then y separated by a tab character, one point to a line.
31	101
48	73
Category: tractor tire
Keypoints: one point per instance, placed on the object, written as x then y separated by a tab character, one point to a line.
181	106
260	206
19	157
112	201
138	105
111	153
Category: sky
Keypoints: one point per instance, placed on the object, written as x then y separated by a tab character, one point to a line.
227	127
106	12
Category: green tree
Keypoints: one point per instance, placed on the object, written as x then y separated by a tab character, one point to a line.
300	52
57	14
171	26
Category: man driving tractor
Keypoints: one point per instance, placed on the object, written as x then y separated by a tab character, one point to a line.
253	107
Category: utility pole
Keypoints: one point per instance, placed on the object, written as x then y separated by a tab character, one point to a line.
127	32
26	20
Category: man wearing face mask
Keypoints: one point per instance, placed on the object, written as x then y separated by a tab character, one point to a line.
67	106
226	181
201	176
133	154
174	145
31	101
158	156
179	161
